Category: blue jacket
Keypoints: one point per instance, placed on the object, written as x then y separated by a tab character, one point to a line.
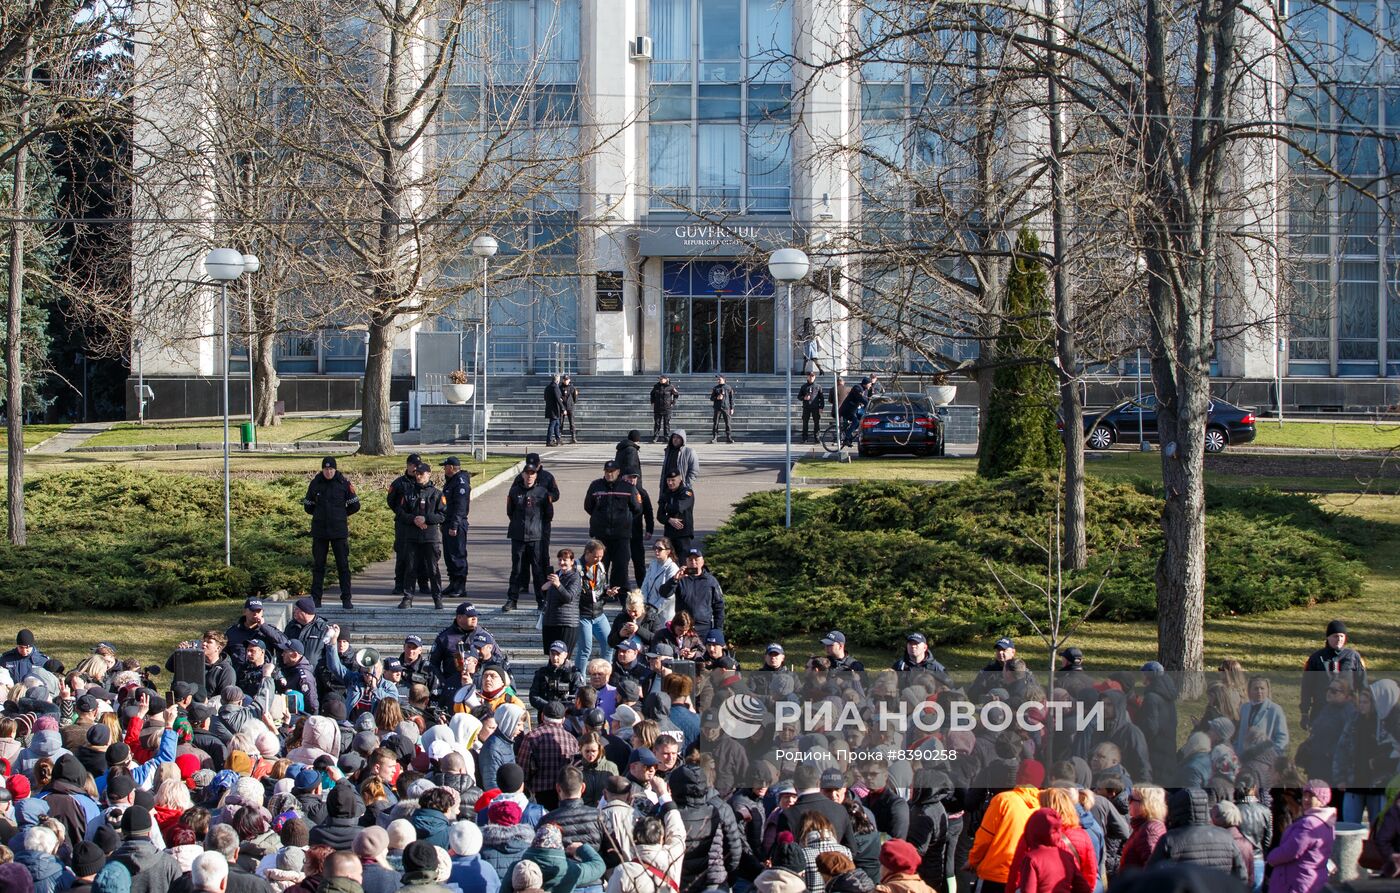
502	846
354	681
19	667
431	826
472	874
495	753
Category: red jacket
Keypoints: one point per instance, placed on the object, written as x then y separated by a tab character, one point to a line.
1045	861
1139	845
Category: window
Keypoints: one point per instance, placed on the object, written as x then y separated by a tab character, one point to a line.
719	67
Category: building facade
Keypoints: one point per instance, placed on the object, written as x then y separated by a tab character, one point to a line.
700	167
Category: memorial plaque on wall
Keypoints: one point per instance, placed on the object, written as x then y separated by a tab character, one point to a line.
609	291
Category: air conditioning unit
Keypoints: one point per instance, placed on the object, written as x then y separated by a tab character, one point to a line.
641	49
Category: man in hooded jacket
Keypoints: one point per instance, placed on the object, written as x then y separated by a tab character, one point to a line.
342	823
713	842
1191	837
679	457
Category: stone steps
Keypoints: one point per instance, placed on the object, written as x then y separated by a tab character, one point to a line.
383	628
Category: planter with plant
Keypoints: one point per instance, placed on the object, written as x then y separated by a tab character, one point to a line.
458	389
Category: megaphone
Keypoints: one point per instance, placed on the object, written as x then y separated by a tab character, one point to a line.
365	658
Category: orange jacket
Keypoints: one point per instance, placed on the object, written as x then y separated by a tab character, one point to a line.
1000	831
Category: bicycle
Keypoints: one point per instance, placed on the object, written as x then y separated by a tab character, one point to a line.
834	439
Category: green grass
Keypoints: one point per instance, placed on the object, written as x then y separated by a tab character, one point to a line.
33	434
1328	435
257	464
291	430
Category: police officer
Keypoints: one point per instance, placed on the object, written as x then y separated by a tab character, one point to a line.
419	518
415	662
611	504
643	526
308	629
663	403
722	404
403	556
526	504
675	512
557	680
568	399
813	402
460	637
458	490
532	460
256	667
300	677
330	501
250	627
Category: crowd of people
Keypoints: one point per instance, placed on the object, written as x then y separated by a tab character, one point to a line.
299	763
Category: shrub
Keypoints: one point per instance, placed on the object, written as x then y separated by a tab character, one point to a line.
114	538
879	558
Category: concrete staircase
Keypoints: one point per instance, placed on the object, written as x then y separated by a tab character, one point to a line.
610	405
383	628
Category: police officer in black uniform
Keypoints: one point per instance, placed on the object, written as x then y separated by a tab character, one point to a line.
300	677
403	555
309	629
813	402
532	460
675	512
418	519
257	666
663	399
458	490
643	526
722	403
330	501
460	637
415	662
611	504
249	627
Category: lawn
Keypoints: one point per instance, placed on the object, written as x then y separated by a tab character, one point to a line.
33	434
260	464
71	636
1328	435
292	430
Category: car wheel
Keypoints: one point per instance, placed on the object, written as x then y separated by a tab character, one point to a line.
1101	437
1216	440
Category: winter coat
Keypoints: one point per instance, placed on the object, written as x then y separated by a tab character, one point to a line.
1137	852
330	503
1256	823
553	683
680	458
1322	665
1157	719
1315	755
1269	717
561	873
1363	757
1193	839
853	881
561	602
714	844
48	873
611	506
425	500
343	811
431	826
471	875
1128	737
628	456
680	505
633	876
891	812
1002	825
152	870
703	598
503	845
525	507
578	822
1300	859
663	396
928	829
1047	864
659	589
553	400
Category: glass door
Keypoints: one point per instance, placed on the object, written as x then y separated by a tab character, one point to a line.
705	335
734	335
761	332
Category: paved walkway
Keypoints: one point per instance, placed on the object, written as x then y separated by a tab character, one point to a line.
727	474
77	435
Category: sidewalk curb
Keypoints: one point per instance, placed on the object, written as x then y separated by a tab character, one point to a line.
303	446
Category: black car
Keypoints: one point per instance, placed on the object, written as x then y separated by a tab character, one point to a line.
901	423
1225	424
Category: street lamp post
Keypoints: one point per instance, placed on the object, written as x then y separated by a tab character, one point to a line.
224	265
484	246
251	264
788	265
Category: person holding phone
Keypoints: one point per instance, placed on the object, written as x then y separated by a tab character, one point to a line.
562	587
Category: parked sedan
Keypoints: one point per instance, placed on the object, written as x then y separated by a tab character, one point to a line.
901	423
1225	424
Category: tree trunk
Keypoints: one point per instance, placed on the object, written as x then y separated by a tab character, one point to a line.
1075	548
376	428
14	334
265	378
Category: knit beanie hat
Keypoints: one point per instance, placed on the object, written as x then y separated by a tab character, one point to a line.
372	843
526	876
420	856
1321	791
1030	772
503	812
899	856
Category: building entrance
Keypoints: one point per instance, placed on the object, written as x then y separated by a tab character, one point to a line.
728	328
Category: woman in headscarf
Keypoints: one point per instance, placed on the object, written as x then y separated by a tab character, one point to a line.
511	722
